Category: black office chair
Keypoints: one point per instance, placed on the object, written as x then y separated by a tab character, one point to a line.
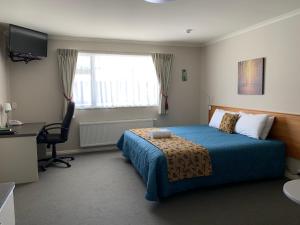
51	139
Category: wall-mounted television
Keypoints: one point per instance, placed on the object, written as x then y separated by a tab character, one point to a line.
26	45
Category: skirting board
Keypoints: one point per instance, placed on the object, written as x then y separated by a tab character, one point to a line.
85	150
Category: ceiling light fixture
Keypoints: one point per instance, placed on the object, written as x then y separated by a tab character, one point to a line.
188	31
159	1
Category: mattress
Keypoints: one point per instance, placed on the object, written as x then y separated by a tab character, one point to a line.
234	157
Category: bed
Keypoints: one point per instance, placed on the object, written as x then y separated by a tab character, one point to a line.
234	158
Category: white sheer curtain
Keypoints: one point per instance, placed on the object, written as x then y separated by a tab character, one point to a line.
115	80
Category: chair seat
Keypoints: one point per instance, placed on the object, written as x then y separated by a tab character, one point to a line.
50	139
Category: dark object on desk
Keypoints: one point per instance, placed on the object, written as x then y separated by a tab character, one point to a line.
51	139
6	131
4	128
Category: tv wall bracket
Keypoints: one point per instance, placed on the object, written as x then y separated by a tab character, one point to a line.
22	58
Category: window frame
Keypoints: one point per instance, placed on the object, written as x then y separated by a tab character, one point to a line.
93	106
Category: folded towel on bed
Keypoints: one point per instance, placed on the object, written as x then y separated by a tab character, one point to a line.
161	133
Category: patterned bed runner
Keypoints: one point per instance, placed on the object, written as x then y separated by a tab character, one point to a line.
185	159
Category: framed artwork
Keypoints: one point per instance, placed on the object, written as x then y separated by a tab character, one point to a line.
251	77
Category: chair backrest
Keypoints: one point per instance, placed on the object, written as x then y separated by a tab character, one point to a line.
67	120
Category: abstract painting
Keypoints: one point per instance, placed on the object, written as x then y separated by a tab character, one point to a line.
251	77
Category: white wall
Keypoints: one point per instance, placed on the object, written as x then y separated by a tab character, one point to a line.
36	88
4	77
279	43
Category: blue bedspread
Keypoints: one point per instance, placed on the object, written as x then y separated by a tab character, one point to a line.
234	158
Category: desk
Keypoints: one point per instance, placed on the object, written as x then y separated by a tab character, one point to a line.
18	154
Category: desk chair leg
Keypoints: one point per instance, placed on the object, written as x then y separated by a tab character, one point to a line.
54	158
62	161
41	167
71	158
48	163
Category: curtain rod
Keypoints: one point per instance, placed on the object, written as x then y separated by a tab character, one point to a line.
118	52
114	52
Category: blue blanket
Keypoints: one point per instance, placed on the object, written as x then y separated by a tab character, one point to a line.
234	158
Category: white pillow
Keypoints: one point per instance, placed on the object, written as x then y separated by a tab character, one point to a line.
217	117
265	132
251	125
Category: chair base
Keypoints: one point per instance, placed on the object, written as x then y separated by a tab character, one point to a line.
53	160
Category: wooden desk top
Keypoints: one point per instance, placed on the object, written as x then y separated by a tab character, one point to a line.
25	130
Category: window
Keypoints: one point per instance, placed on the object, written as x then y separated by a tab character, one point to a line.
115	80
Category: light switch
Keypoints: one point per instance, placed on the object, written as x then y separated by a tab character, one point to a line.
14	105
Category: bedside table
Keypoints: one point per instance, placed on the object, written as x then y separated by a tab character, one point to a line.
292	190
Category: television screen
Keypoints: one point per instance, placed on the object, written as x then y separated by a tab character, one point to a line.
26	42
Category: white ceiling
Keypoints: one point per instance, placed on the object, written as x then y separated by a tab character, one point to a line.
138	20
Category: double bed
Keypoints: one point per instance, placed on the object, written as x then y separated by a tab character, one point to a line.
234	158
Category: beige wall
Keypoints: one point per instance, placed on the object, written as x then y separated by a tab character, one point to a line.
279	43
4	77
212	74
36	88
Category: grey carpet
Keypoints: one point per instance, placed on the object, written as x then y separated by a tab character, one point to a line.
103	189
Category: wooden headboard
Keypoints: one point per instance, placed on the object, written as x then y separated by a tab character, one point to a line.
286	127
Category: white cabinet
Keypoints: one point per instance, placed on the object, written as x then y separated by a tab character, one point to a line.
18	159
18	154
